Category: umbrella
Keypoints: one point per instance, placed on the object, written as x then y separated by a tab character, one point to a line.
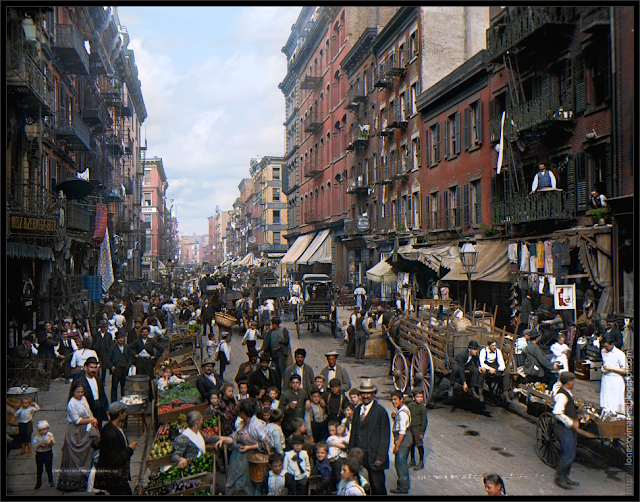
75	188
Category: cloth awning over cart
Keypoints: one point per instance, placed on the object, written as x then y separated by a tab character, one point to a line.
434	257
493	264
297	248
308	257
382	272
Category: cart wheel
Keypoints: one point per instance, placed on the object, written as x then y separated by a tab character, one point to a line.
400	372
422	372
547	444
615	451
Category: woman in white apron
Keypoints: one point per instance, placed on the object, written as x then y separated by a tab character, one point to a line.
614	369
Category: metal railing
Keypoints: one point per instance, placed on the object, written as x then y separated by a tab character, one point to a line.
312	123
358	136
98	59
311	78
313	167
78	217
396	64
68	37
540	206
74	131
380	76
30	197
592	17
25	74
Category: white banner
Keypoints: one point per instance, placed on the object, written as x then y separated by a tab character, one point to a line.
564	297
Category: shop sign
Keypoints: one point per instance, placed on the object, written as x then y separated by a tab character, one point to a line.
32	224
149	209
564	297
362	224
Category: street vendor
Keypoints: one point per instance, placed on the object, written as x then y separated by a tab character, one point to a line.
612	331
565	411
192	443
614	369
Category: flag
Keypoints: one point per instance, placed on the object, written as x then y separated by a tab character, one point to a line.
499	166
105	267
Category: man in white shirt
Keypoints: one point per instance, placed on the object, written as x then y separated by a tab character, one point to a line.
544	179
118	319
566	428
493	368
519	346
402	441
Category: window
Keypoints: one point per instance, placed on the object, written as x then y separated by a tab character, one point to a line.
434	142
276	238
601	76
413	44
147	176
148	244
475	125
147	199
275	172
415	90
276	217
415	151
476	202
402	107
365	83
452	136
433	214
402	55
276	194
447	141
452	207
147	219
416	209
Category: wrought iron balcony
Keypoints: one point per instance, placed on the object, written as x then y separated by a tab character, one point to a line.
112	96
397	116
384	173
540	112
113	145
357	185
312	123
69	47
594	18
95	115
78	217
380	77
312	168
27	82
540	206
311	78
396	64
355	96
358	137
73	131
399	168
530	21
30	198
389	224
98	60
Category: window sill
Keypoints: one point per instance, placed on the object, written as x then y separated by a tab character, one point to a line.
596	109
474	148
414	58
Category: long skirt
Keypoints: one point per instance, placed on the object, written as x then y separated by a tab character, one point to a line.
77	454
238	481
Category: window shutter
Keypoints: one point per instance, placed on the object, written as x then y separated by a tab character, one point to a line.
581	88
465	202
457	131
479	202
581	181
608	174
445	201
606	71
466	131
492	109
545	86
445	143
479	123
437	143
418	151
426	147
458	207
407	103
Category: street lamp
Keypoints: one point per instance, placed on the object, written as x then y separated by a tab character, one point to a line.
469	259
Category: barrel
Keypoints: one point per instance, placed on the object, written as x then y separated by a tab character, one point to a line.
138	385
376	346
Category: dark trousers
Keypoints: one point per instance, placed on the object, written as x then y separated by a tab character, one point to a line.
501	378
104	365
300	487
458	374
336	467
568	440
319	431
361	342
65	365
251	345
44	460
118	379
376	478
207	327
222	361
417	442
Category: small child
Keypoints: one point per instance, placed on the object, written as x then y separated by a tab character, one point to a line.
24	414
266	409
418	429
213	410
277	481
210	344
348	419
316	418
336	441
43	445
345	334
299	427
176	375
274	395
166	379
300	470
243	390
354	397
223	353
322	468
250	337
274	430
560	351
363	475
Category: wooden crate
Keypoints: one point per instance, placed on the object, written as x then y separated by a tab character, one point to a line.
182	341
172	416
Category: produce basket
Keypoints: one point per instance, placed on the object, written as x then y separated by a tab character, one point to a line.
172	480
258	466
225	320
156	456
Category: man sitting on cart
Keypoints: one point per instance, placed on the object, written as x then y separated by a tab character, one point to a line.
493	368
466	366
536	366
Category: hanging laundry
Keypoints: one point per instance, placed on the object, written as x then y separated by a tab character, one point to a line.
548	257
556	249
552	284
541	284
533	276
513	252
565	260
540	255
524	258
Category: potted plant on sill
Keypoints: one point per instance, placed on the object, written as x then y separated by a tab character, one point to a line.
598	214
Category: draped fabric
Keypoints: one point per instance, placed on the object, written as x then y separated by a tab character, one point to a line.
20	250
492	266
101	222
596	264
381	272
105	267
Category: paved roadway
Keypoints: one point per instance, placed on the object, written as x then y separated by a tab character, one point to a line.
461	444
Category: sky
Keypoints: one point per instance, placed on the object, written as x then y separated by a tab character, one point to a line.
210	80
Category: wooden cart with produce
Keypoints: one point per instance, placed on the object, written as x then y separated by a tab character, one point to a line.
319	303
279	295
424	349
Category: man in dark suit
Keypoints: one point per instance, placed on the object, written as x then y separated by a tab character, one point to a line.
371	432
26	352
263	377
612	331
134	333
66	348
206	314
102	343
113	471
120	358
247	367
463	362
301	368
208	381
333	370
94	391
146	352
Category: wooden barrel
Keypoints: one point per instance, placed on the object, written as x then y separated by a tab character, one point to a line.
258	466
376	346
138	385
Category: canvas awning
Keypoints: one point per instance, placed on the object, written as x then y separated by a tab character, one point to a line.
493	264
382	272
20	250
297	248
247	260
313	247
323	254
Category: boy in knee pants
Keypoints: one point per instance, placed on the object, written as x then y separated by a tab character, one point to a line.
418	429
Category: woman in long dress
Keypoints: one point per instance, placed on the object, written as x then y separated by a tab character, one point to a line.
192	443
251	436
80	439
612	384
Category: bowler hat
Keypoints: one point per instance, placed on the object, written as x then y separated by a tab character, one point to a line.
367	386
611	318
120	334
207	360
334	381
137	319
251	352
534	334
91	360
265	357
473	345
103	323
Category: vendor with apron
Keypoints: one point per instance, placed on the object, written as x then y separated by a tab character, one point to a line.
191	443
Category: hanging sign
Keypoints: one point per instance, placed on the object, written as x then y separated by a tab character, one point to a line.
564	297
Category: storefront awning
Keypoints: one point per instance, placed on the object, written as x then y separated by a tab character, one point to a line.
493	264
20	250
323	254
297	248
382	272
313	247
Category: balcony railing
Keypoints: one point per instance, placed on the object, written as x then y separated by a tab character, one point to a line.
74	132
26	79
397	117
358	137
397	64
541	111
355	96
502	38
113	145
95	115
78	217
29	197
384	173
98	59
399	167
357	185
312	123
540	206
69	47
380	77
389	224
312	168
112	96
594	18
311	78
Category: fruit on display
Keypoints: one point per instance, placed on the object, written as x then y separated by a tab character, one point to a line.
166	408
180	486
203	463
161	447
210	427
206	491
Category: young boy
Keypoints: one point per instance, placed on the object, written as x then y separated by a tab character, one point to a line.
319	381
299	427
277	481
345	334
251	336
363	475
213	410
274	394
354	397
316	418
266	409
322	468
43	445
301	470
418	428
223	353
243	388
348	419
24	414
335	401
274	430
210	344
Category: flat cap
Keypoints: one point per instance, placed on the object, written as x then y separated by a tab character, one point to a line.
116	407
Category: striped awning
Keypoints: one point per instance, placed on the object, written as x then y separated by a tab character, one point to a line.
297	248
313	247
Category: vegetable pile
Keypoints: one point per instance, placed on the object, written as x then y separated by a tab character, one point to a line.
166	408
203	463
161	447
180	486
176	393
206	491
210	427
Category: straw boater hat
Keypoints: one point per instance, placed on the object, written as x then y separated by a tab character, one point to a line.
367	386
332	353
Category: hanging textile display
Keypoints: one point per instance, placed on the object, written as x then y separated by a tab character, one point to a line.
94	291
101	222
105	267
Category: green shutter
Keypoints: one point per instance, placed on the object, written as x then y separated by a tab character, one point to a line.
458	206
479	201
456	120
580	83
479	124
465	203
445	145
581	181
466	132
608	172
437	142
445	207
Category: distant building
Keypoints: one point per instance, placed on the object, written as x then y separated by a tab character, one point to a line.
193	249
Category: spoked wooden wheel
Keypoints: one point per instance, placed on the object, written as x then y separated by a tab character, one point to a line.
615	451
422	372
400	373
547	444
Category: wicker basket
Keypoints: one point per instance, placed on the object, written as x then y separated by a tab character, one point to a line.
225	320
258	466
